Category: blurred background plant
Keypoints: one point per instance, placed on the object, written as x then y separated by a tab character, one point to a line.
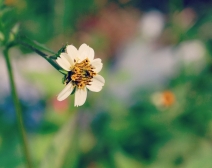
155	109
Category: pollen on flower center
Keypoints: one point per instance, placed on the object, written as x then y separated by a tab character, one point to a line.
81	74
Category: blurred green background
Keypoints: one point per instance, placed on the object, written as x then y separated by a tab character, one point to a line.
155	108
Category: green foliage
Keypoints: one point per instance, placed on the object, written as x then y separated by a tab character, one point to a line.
62	147
8	25
110	133
51	18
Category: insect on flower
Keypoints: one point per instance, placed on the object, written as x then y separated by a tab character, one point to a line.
82	73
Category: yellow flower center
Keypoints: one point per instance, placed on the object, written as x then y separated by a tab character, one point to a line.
81	74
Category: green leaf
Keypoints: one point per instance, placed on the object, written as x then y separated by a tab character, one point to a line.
124	161
61	145
61	50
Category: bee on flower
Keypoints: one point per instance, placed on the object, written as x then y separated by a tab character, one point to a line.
82	73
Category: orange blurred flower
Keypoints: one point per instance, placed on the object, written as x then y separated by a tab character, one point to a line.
164	99
168	98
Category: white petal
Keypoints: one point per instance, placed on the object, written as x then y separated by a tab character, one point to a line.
65	60
72	52
66	57
80	97
83	51
65	92
96	63
91	54
99	78
64	64
96	85
86	52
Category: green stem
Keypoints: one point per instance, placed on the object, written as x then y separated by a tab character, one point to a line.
45	56
34	43
18	110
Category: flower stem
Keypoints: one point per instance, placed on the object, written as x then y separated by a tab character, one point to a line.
18	110
42	54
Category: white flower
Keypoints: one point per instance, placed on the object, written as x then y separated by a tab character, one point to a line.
82	74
